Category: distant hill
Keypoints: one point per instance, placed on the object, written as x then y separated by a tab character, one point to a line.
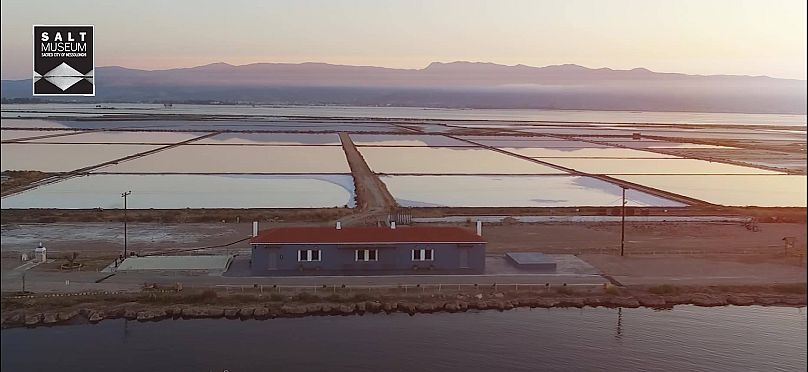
456	84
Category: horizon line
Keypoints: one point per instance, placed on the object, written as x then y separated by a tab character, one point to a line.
427	66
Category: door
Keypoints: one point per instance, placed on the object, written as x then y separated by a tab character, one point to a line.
464	258
272	259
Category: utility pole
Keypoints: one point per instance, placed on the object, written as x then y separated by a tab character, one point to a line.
623	225
124	195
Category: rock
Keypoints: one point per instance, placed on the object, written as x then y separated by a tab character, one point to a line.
508	305
346	309
150	315
740	300
630	302
481	305
261	313
766	300
374	306
313	309
130	314
327	309
572	302
215	312
499	295
49	318
231	313
16	318
478	296
32	320
794	301
293	310
246	313
462	306
450	307
193	312
703	299
361	308
652	301
96	317
547	302
389	307
115	313
175	311
595	301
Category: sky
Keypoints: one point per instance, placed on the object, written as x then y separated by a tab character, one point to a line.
696	37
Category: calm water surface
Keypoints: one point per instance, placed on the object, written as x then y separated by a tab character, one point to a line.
590	339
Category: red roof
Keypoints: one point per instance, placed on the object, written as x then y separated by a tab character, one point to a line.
365	235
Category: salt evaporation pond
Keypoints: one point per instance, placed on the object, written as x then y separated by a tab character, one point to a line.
239	159
406	140
62	157
731	190
8	135
654	166
586	153
514	191
331	139
190	191
122	137
31	123
448	160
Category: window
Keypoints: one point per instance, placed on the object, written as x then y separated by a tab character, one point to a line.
304	255
367	254
423	254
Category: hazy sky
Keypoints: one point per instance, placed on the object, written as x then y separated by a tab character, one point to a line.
701	37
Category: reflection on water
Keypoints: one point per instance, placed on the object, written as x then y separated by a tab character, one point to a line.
63	158
513	191
448	160
654	166
589	339
239	159
732	190
10	110
190	191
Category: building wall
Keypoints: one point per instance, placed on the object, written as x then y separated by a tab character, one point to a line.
340	259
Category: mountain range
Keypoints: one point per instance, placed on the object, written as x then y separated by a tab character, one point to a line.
456	84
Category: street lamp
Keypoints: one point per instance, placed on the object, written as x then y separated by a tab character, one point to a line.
124	195
623	225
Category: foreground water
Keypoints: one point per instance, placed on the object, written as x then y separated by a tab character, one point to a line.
591	339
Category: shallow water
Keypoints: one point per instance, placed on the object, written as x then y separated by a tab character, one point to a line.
63	158
586	153
405	140
419	113
513	191
732	190
270	139
590	339
448	160
190	191
164	138
239	159
654	166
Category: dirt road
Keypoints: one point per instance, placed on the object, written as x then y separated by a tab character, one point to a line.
373	199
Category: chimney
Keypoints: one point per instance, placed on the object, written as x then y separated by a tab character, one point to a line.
255	229
339	225
479	228
393	225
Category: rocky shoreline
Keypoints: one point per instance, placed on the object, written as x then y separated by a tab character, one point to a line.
319	306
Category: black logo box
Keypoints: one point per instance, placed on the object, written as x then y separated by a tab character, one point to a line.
72	45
